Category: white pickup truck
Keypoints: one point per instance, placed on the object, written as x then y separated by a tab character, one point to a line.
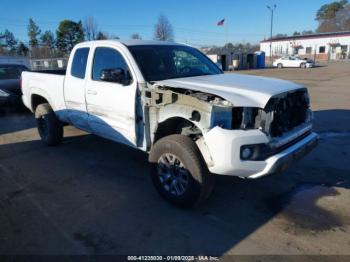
171	101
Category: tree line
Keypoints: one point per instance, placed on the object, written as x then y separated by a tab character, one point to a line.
68	34
234	48
332	17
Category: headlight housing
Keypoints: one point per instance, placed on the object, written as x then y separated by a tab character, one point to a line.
221	116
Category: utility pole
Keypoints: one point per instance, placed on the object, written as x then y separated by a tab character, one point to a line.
315	54
272	9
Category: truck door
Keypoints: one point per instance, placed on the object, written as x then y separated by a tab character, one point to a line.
74	89
111	104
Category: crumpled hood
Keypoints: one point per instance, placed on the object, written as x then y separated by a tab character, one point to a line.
240	90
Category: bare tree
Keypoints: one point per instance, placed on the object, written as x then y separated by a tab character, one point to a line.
136	36
101	36
163	30
90	28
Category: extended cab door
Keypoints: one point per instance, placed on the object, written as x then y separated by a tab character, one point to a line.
74	88
111	104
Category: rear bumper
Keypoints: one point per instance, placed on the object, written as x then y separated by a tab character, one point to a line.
309	65
224	151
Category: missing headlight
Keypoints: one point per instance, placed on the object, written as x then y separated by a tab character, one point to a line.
221	116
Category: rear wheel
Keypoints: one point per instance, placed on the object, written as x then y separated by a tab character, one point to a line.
279	65
303	65
179	172
49	127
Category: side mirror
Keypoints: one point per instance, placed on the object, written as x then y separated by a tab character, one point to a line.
115	75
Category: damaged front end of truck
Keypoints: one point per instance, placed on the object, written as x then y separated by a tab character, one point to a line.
285	119
214	123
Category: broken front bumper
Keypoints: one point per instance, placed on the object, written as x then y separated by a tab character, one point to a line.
224	150
281	161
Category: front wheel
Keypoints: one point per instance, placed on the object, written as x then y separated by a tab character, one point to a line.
280	65
49	127
179	172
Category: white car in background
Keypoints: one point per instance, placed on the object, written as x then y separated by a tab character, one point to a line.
292	61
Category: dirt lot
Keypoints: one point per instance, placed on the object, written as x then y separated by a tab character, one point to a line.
92	196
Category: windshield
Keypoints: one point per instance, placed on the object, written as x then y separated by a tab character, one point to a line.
159	62
11	71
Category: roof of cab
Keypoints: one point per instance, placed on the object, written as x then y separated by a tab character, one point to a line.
134	42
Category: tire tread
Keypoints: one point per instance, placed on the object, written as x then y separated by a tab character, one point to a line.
201	172
55	126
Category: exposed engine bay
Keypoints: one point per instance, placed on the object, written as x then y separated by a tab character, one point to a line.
281	114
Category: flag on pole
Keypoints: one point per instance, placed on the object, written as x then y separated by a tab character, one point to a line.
221	22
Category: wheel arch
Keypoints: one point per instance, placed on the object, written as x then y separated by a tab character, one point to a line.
172	126
37	100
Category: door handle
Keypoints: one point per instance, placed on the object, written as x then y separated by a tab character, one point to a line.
92	92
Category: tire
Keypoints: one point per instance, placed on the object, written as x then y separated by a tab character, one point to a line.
279	65
302	65
49	127
199	180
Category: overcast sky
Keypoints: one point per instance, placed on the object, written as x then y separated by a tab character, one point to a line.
194	21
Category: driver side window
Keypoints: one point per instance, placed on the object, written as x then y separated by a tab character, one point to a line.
108	58
184	60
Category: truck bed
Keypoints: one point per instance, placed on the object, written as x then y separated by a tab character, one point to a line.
47	84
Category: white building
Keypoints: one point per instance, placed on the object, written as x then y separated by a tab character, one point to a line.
323	46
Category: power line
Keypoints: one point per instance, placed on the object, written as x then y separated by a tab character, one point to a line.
19	22
195	36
